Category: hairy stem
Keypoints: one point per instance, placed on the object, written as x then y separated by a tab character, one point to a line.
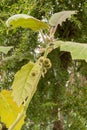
42	34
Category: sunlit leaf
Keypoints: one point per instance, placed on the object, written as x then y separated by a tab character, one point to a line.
26	21
9	110
78	50
25	82
5	50
60	17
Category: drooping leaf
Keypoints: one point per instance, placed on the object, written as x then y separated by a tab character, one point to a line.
60	17
26	21
5	50
20	85
78	50
9	110
25	82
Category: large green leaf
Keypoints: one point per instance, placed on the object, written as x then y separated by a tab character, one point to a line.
59	17
25	82
26	21
78	50
9	110
5	50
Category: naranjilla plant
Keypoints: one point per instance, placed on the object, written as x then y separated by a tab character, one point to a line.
14	103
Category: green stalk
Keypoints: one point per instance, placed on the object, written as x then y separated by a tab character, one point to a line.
47	44
46	51
42	34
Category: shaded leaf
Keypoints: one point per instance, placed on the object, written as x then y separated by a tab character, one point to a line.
60	17
9	109
5	50
78	50
26	21
25	82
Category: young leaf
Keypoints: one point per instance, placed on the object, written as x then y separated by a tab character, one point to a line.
26	21
5	50
9	110
25	82
78	50
60	17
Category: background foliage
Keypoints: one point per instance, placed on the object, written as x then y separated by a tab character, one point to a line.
65	84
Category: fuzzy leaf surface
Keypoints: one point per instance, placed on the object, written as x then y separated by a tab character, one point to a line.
78	50
5	50
26	21
60	17
25	82
9	110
